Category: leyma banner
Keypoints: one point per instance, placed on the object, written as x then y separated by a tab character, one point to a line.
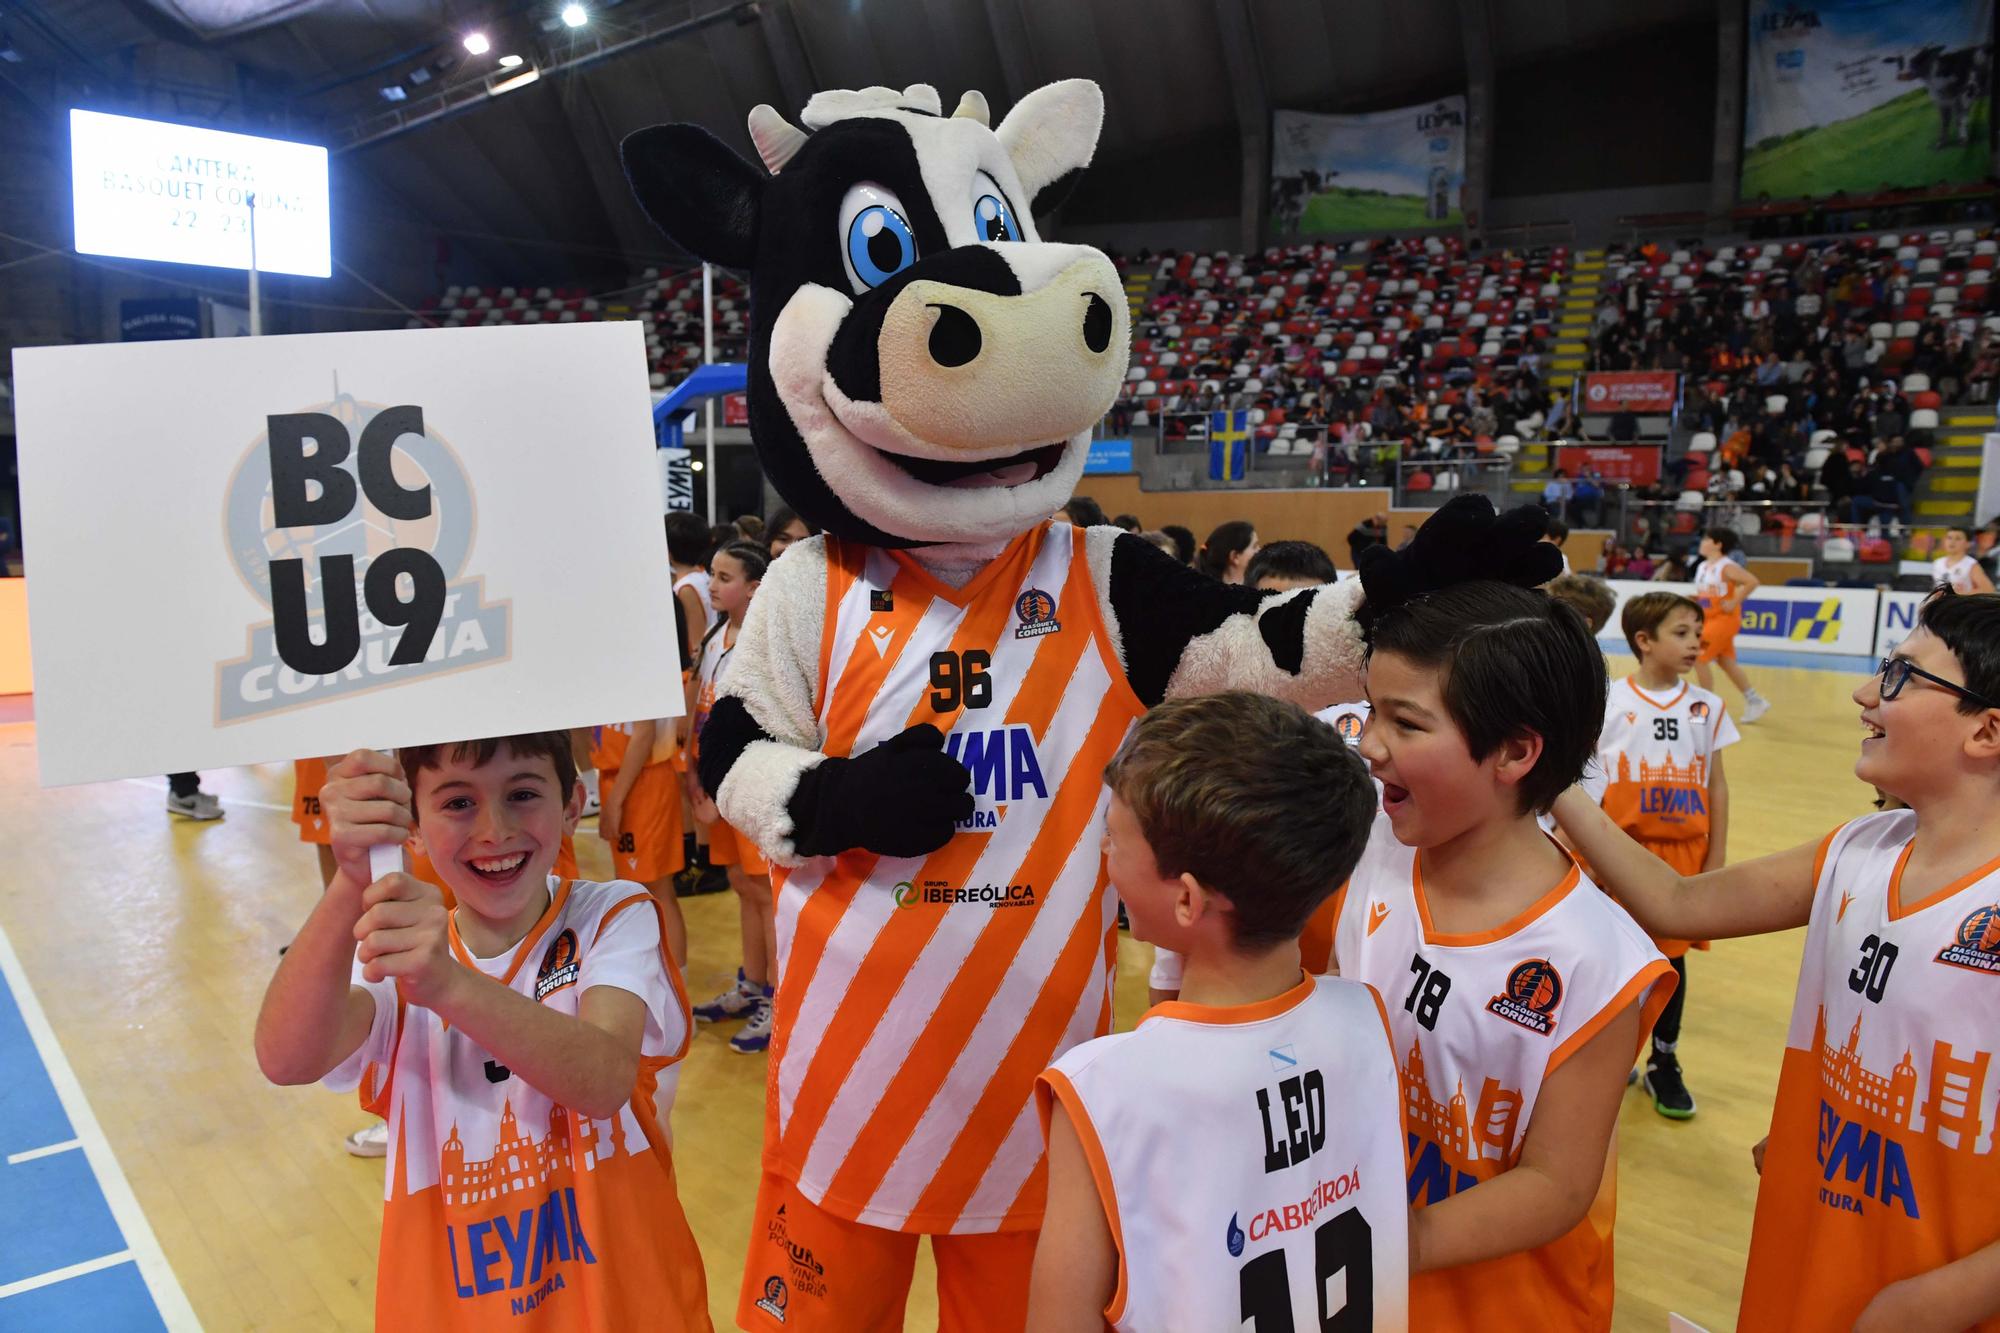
1381	171
1861	96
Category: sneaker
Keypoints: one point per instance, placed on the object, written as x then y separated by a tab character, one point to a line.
1664	1085
1755	707
195	805
735	1002
756	1034
372	1141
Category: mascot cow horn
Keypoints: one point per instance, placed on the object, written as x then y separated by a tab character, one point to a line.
923	700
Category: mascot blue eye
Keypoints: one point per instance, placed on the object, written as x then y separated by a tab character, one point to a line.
879	245
993	220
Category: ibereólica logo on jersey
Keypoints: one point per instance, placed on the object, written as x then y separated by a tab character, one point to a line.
939	893
353	523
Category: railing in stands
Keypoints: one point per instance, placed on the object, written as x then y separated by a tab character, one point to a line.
1426	483
1528	235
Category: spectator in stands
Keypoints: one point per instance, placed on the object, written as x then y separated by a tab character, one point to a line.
1370	531
1587	499
1228	551
1671	568
1557	493
1892	411
1985	369
1624	425
1183	542
1879	494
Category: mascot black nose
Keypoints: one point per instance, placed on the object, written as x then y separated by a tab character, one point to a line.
1097	323
955	339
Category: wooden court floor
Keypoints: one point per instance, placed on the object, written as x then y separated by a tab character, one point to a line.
149	942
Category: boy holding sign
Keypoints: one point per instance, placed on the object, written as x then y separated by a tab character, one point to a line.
522	1046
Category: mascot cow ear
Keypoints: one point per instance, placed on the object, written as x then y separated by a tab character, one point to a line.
697	190
1051	135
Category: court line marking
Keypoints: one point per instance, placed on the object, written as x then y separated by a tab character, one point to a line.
14	1159
144	1250
55	1275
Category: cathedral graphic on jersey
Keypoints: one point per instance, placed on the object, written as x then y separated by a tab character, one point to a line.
1450	1150
522	1163
1950	1108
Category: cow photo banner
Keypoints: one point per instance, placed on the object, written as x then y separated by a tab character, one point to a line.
1380	171
1861	97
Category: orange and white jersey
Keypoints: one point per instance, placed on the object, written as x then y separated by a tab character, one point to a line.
716	651
1655	752
610	742
698	580
1479	1022
308	776
1296	1216
1957	573
919	998
500	1202
1710	584
1884	1159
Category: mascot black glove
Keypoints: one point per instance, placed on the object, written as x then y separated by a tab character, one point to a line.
902	798
1461	543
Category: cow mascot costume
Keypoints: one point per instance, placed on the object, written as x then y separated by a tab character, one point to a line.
923	701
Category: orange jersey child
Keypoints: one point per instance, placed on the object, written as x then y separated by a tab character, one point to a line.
308	776
647	846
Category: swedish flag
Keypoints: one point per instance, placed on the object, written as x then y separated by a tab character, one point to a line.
1822	626
1228	445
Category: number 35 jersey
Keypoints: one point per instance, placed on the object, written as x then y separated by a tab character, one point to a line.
1249	1161
1479	1022
1884	1159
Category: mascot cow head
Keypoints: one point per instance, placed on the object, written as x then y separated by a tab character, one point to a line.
924	368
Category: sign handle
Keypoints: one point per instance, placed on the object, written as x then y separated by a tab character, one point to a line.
384	859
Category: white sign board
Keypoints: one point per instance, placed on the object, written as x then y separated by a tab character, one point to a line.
1896	619
260	548
1834	621
149	189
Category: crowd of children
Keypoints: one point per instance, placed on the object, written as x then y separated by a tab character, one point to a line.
1394	1017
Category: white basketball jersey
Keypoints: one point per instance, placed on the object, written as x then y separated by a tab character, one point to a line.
1250	1162
1709	581
698	580
1655	752
1478	1023
1884	1158
1958	573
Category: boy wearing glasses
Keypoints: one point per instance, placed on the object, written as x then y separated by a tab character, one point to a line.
1876	1207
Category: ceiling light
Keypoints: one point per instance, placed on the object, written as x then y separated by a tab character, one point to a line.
395	92
476	43
694	465
521	80
574	16
509	62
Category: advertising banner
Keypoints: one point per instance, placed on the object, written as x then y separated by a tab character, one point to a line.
1646	392
1860	97
1114	455
1380	171
253	549
159	319
1636	463
1834	621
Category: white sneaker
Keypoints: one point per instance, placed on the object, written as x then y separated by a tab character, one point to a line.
755	1035
195	805
591	804
1754	708
735	1002
372	1141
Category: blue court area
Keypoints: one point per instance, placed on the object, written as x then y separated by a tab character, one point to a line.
66	1260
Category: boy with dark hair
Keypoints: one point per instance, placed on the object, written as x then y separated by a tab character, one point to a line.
1183	541
1233	816
1518	993
1875	1211
521	1046
1282	566
1661	752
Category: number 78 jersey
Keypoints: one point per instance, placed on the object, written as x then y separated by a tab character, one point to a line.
1249	1162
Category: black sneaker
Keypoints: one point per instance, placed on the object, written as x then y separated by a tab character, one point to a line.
1664	1085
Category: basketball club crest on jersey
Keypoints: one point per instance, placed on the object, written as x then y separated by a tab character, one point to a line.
1350	726
1977	947
881	600
774	1299
1534	989
1698	710
1036	610
559	965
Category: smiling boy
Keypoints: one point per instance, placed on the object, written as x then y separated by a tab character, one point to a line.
522	1047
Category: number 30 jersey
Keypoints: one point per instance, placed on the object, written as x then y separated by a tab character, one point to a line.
1884	1160
1479	1022
1249	1161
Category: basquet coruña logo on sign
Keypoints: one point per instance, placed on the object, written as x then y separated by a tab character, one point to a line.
352	522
